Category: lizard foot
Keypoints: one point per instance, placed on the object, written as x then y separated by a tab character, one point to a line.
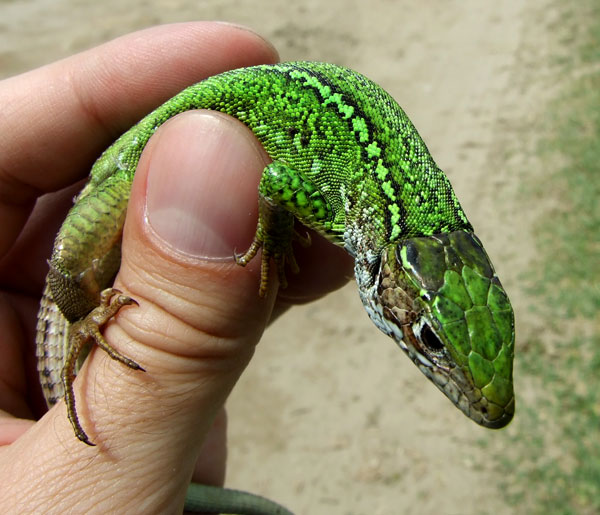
274	235
87	330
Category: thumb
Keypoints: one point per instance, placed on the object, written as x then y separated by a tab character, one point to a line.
193	203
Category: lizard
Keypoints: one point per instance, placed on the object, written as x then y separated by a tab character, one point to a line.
346	162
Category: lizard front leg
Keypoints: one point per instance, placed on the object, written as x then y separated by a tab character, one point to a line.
284	194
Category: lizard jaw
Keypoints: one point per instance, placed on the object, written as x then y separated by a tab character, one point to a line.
450	379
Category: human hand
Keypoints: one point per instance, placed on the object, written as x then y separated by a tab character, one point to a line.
193	203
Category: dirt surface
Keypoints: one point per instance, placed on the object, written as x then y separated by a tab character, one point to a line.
330	417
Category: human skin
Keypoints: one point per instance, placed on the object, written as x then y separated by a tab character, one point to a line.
193	204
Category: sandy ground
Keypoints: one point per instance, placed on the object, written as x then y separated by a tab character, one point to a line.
330	418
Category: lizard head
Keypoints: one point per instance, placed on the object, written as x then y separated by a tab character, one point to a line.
441	301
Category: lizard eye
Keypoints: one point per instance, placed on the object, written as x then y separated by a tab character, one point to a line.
431	341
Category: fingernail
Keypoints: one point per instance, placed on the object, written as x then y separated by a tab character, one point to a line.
202	185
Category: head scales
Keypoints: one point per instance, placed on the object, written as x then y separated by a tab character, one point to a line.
439	298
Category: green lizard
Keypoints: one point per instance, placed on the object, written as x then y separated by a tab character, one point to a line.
348	163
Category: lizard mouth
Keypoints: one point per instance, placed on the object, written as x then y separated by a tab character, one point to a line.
428	353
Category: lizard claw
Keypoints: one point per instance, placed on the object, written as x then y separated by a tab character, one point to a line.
274	235
304	241
280	255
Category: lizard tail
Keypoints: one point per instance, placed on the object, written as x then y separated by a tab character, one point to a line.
51	339
212	499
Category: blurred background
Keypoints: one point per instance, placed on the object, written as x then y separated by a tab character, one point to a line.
330	417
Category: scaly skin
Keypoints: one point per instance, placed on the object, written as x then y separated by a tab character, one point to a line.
348	163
